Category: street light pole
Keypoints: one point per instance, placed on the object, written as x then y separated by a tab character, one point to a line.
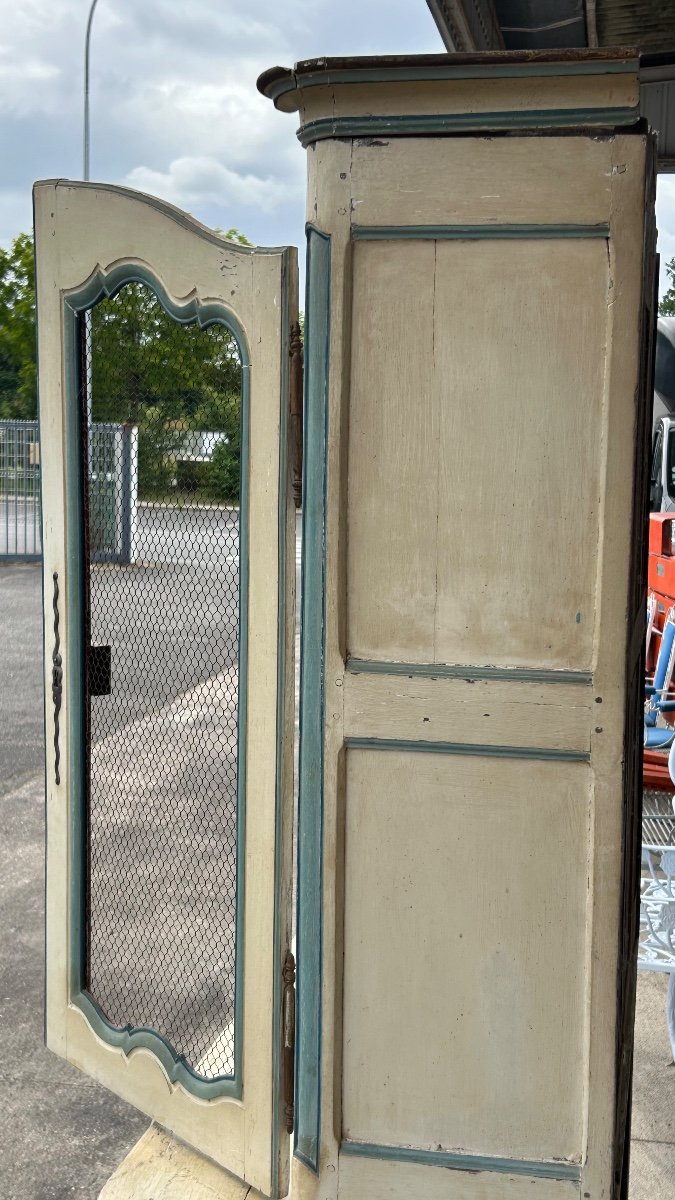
87	41
85	176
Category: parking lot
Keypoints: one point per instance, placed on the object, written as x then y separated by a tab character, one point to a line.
61	1134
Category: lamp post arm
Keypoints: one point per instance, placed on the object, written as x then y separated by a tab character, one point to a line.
87	40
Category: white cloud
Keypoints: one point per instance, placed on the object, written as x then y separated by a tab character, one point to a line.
25	85
227	120
16	205
195	183
174	105
665	222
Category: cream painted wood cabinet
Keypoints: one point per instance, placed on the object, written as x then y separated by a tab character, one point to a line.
479	293
170	784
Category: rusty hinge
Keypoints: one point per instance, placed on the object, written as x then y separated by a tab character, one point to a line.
295	413
288	1043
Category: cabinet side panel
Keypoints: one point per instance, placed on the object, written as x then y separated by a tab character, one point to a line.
474	469
465	895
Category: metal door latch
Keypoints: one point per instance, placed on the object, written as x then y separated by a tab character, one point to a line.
99	670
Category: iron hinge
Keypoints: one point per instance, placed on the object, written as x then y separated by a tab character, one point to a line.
288	1046
295	413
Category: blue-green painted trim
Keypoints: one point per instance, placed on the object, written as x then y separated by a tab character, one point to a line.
282	748
464	1162
310	792
210	314
76	302
374	233
401	125
129	1038
189	312
294	81
363	666
74	650
475	749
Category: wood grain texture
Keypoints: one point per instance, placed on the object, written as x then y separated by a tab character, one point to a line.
453	934
550	333
393	450
519	370
80	230
470	96
479	545
460	710
372	1180
614	806
405	181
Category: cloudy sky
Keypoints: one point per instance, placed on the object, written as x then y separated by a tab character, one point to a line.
174	107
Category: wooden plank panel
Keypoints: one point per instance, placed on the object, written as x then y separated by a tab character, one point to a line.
456	956
478	545
470	96
382	1180
406	181
393	453
490	712
519	368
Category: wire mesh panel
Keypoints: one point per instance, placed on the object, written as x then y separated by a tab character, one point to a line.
163	411
658	818
19	490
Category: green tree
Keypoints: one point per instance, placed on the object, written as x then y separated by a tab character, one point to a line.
145	368
18	369
667	303
168	379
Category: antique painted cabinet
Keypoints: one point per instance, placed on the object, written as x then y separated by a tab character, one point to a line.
478	317
479	293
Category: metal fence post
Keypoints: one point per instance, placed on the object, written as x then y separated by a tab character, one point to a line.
20	536
129	485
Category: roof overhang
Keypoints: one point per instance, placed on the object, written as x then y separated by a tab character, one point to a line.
538	25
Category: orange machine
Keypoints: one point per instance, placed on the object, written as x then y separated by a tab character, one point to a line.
661	579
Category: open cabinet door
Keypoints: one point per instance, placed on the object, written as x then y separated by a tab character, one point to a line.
169	622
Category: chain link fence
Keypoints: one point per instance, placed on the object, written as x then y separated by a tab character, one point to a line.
163	577
20	535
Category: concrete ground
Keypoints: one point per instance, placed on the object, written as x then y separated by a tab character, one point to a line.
61	1135
652	1172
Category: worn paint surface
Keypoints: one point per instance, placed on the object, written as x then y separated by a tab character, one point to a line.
485	346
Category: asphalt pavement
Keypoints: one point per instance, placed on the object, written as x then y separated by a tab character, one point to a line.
21	693
165	769
61	1135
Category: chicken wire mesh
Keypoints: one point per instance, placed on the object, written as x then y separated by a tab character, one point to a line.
163	413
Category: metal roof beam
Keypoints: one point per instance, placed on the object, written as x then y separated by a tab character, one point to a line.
467	25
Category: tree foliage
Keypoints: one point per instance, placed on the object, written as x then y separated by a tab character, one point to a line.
169	379
667	303
18	370
145	368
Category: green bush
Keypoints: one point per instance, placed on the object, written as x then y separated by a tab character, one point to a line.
224	471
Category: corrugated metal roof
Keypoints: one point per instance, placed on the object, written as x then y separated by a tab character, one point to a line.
548	24
649	24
